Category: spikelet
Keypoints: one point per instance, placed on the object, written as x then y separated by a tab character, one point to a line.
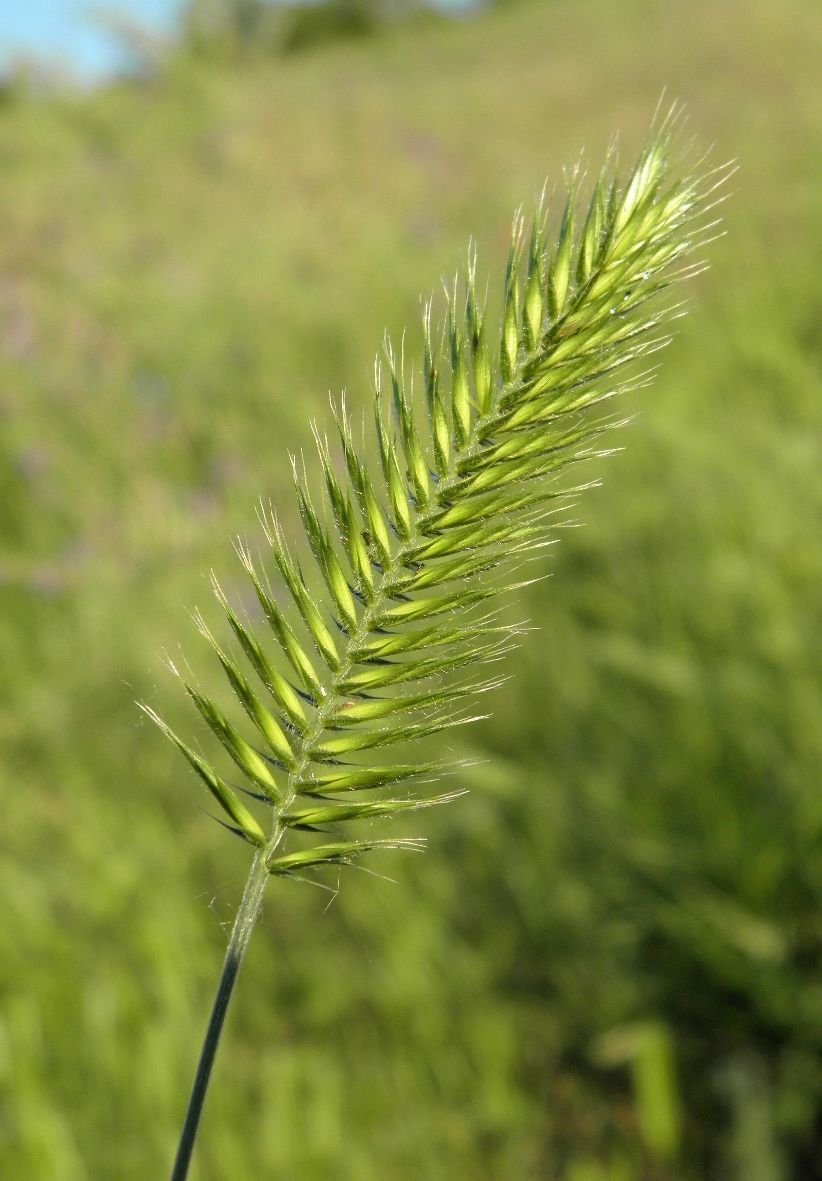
394	637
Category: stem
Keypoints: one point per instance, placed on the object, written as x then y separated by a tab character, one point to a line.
244	923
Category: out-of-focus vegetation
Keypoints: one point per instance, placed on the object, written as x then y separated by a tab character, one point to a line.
609	965
242	30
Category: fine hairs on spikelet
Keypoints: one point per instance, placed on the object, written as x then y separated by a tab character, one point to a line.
391	639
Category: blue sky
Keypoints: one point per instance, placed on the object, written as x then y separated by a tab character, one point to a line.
66	30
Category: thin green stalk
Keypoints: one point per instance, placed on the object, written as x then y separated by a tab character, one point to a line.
244	923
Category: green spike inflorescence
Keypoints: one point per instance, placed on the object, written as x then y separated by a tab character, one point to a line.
408	558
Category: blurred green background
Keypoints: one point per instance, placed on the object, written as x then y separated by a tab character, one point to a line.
608	967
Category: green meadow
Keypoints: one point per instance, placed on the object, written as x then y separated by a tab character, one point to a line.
608	964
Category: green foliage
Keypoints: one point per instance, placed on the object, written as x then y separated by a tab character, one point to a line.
641	842
231	29
329	20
